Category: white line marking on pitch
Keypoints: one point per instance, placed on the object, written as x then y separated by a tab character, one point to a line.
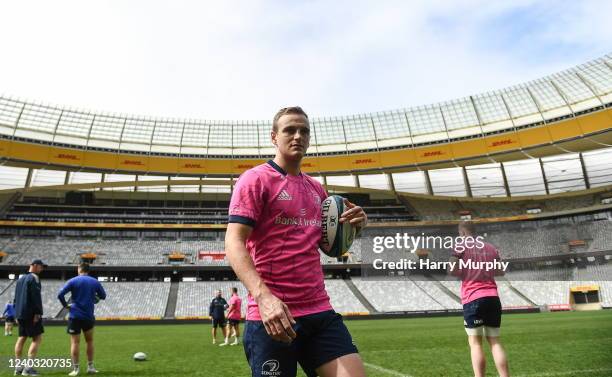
385	370
567	373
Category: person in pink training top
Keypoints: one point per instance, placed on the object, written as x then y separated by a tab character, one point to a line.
271	242
233	318
481	305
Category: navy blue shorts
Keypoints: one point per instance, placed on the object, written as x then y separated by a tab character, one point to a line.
29	329
219	322
233	322
76	325
485	311
321	337
10	319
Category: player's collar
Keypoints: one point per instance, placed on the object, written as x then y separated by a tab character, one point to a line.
276	167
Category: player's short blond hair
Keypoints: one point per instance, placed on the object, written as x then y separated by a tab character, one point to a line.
284	111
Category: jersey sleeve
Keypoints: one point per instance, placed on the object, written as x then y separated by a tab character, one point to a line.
247	200
61	296
100	291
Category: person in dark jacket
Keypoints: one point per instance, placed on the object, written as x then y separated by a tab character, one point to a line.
217	312
29	312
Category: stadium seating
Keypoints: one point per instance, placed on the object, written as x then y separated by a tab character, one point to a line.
544	292
194	297
50	288
396	295
438	294
341	297
134	299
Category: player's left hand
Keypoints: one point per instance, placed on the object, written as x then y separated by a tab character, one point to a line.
355	215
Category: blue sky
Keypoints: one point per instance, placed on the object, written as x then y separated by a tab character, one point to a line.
246	59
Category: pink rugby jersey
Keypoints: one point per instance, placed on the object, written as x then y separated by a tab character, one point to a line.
478	283
235	304
285	213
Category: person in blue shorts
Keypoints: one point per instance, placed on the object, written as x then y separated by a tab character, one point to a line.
86	292
9	318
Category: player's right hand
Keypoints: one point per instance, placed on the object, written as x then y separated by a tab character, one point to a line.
276	318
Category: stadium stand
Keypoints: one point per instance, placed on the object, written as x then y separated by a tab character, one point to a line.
341	297
50	288
194	297
396	295
149	299
544	292
133	299
433	290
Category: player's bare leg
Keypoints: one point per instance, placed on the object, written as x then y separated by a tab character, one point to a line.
499	356
226	331
19	350
477	354
236	334
75	345
34	346
344	366
89	339
214	335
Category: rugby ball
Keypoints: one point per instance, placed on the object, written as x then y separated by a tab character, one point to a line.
140	356
336	238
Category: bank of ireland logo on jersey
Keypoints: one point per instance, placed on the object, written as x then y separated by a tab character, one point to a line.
271	368
284	195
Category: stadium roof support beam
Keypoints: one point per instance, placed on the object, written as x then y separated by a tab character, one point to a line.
17	121
391	185
505	178
539	107
67	177
590	86
480	123
503	98
428	185
585	173
544	176
28	180
466	182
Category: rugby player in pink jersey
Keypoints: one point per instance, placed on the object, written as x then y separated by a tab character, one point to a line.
481	305
233	317
271	242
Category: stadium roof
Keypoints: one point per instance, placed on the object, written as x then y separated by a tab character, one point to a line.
584	89
565	93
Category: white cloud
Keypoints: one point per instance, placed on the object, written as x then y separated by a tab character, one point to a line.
243	60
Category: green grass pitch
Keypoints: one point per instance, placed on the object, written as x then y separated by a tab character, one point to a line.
547	344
